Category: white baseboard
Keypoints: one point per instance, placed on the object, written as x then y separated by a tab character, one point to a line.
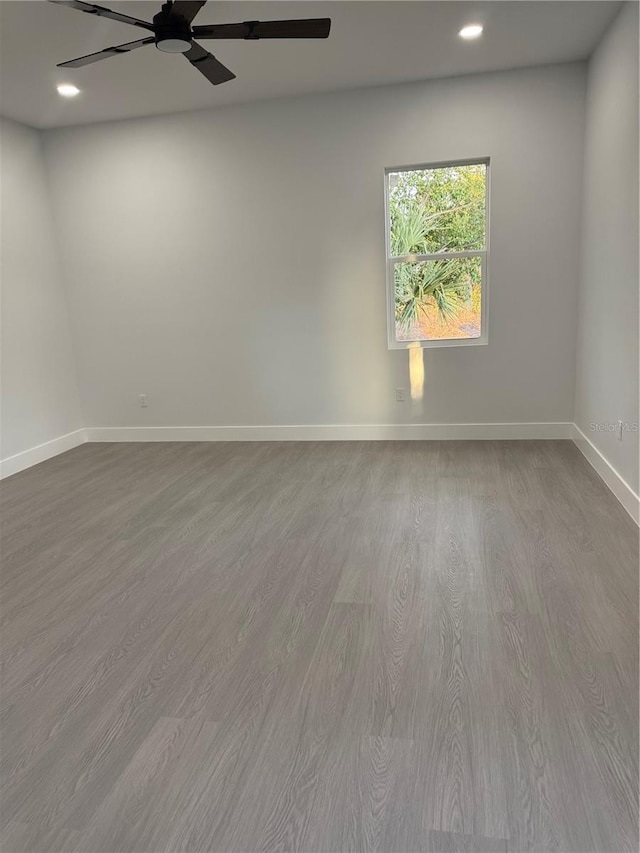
42	452
323	432
335	432
616	483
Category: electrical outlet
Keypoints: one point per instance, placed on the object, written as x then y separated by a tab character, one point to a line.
143	401
400	395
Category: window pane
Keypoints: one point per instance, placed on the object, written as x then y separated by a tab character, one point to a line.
438	300
437	210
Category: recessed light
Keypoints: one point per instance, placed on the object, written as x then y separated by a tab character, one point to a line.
68	90
471	31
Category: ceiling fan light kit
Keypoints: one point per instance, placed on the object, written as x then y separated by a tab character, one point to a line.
171	32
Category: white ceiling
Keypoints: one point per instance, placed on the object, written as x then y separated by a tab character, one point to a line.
371	43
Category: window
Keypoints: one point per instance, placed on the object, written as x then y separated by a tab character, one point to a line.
437	238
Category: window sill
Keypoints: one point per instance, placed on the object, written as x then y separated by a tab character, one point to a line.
448	342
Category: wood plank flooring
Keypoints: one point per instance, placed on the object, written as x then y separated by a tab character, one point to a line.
346	646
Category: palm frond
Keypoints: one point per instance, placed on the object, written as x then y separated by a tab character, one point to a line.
418	285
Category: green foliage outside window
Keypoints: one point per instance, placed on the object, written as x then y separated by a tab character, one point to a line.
432	211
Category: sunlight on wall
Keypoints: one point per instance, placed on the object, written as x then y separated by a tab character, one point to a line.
416	371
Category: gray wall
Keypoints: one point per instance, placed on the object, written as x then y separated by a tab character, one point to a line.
607	364
39	389
230	264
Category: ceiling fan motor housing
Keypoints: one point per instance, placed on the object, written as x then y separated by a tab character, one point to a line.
172	32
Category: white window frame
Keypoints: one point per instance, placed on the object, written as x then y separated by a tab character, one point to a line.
483	254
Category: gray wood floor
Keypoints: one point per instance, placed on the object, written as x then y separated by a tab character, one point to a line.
393	646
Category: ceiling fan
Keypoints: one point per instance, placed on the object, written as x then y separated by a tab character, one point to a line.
172	32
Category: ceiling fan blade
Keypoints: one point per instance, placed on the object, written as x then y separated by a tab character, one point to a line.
106	53
187	9
305	28
90	9
311	28
221	31
208	65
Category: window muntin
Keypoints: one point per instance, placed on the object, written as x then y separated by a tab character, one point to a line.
437	253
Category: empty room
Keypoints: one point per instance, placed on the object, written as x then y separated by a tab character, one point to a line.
319	426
